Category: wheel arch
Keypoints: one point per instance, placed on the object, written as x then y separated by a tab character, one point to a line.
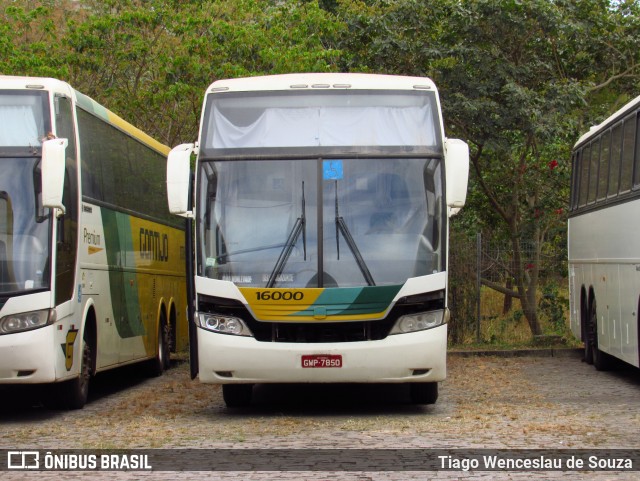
90	332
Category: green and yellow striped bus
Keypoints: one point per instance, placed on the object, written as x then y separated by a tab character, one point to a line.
92	266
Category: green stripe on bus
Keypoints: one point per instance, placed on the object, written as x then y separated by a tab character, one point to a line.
123	285
353	301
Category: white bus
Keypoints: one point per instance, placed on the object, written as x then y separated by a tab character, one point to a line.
604	260
92	265
321	230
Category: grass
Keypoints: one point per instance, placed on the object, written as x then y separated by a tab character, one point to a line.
512	331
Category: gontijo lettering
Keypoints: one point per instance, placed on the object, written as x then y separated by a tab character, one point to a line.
154	245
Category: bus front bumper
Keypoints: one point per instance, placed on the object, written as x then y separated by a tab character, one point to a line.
414	357
28	357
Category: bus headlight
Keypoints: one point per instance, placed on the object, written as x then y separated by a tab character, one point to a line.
223	324
27	321
419	322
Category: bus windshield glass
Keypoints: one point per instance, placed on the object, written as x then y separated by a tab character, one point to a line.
24	224
24	227
24	119
322	120
320	222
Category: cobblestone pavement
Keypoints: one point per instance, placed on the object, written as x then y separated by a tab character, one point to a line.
487	402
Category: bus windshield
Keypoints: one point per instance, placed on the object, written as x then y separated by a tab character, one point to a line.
320	222
24	224
24	227
24	118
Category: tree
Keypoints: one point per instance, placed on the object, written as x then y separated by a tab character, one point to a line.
151	61
517	80
29	39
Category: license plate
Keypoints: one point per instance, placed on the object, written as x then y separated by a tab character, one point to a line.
322	360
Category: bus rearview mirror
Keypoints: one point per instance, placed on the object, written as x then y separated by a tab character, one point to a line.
52	172
457	173
178	174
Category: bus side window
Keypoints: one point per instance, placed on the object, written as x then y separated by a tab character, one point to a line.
593	170
616	152
585	160
636	170
603	178
628	146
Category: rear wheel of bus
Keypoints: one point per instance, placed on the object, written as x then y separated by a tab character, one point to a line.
601	360
585	328
162	361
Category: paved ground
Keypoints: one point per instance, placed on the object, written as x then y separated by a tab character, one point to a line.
487	402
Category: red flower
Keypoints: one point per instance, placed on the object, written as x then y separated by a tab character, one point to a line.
553	164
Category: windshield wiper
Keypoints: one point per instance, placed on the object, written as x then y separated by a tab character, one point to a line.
341	227
298	228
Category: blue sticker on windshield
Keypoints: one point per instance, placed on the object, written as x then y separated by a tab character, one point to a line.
332	170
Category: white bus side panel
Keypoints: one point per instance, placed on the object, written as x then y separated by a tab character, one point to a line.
604	256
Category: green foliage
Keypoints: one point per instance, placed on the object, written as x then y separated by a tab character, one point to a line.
553	308
519	81
150	61
29	41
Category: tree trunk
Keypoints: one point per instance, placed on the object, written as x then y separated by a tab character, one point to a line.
508	299
526	285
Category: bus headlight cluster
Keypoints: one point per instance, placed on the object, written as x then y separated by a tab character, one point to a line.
223	324
419	322
27	321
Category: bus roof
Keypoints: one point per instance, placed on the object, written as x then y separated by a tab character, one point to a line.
595	129
318	81
87	103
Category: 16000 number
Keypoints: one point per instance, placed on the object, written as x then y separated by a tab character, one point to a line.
279	295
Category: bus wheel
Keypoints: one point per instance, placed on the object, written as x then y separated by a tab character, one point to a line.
601	360
76	392
424	392
585	324
237	395
162	360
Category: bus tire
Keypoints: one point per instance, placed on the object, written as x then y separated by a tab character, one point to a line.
162	361
585	327
237	395
601	360
423	392
76	392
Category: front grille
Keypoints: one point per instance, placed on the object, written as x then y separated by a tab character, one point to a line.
305	332
316	332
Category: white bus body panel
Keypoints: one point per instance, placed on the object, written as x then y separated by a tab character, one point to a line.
25	357
393	359
604	255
